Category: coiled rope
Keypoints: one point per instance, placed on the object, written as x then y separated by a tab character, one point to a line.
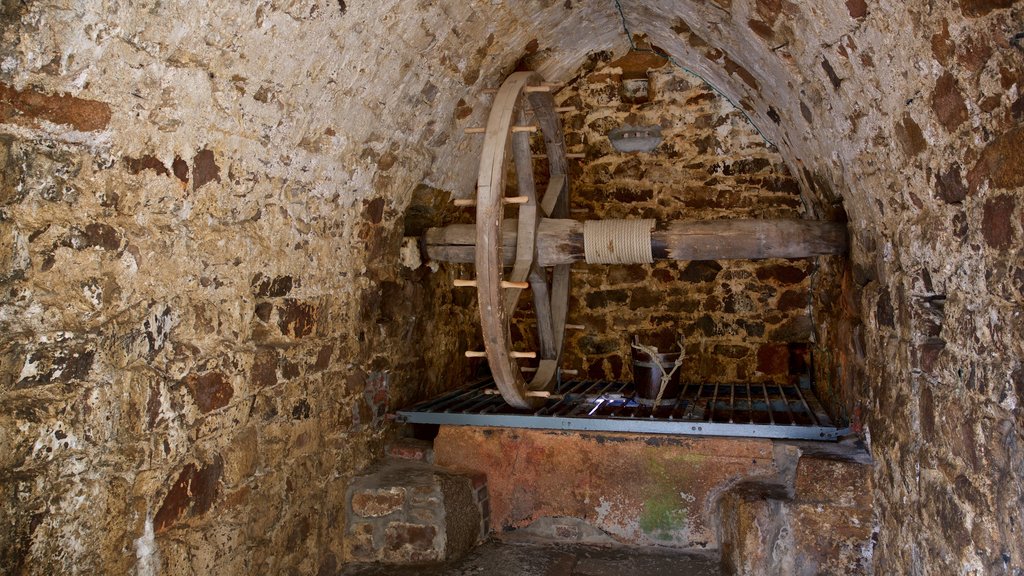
618	241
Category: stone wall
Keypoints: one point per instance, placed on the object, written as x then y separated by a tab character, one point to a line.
735	316
204	321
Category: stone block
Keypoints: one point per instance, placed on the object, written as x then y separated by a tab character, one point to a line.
374	503
645	490
411	449
830	539
835	482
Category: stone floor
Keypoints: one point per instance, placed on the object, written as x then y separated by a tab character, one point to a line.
519	559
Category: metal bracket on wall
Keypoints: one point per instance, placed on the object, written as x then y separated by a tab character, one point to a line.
740	410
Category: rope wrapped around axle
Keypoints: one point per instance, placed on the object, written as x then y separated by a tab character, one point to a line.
618	241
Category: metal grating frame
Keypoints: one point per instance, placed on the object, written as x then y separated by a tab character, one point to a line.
746	410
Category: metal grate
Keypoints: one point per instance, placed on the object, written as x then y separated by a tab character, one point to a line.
748	410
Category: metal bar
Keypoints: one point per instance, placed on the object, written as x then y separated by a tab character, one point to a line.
497	403
785	401
675	406
750	404
644	426
814	417
768	404
714	401
440	400
562	400
819	410
463	403
732	402
584	406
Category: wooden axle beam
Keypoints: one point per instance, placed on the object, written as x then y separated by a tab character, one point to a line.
560	241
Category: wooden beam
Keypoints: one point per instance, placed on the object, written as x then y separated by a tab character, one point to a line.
560	241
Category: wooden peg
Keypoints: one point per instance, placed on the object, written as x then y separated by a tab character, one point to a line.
538	88
464	202
524	354
524	129
570	372
565	109
475	130
476	354
538	393
516	199
540	156
576	155
504	284
575	327
489	91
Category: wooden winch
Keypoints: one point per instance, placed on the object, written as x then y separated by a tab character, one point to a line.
536	250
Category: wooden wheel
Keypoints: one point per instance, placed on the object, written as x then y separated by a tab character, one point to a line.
522	105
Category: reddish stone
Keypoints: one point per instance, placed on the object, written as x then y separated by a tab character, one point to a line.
948	102
974	54
782	273
137	165
211	390
263	311
910	136
950	187
375	503
734	68
996	224
857	8
323	358
792	300
942	48
397	535
700	271
663	275
296	318
975	8
1000	162
762	29
264	368
204	169
831	73
373	211
264	287
411	449
180	169
773	359
195	488
102	236
628	273
84	115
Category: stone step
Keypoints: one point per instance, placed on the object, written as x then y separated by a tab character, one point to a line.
409	511
823	525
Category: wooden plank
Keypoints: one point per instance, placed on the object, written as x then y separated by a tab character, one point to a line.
542	310
556	187
748	239
560	241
